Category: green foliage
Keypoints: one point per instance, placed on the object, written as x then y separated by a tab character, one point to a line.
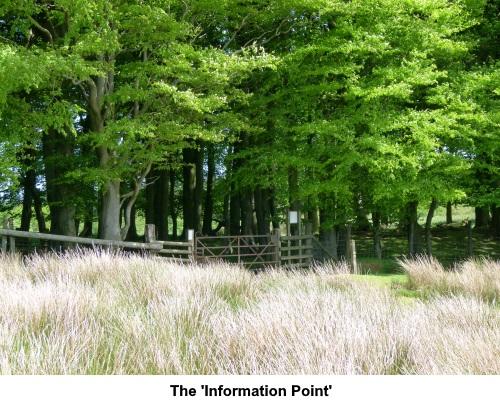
372	103
361	104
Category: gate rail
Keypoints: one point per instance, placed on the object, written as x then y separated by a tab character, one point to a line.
252	251
246	250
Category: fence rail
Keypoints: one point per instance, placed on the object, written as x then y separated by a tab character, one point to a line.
255	251
252	251
13	234
177	251
297	250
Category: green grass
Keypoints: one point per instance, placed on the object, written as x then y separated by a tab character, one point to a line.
368	265
384	280
398	285
480	278
459	214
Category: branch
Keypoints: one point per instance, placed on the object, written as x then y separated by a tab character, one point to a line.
152	181
84	92
201	32
10	40
277	33
124	197
186	9
145	107
44	30
93	98
243	23
133	196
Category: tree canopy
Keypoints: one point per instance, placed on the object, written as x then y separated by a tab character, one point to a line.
239	110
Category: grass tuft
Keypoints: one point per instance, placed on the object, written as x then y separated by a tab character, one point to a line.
479	278
108	312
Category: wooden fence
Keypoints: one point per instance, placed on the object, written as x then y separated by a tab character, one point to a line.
251	251
296	250
9	236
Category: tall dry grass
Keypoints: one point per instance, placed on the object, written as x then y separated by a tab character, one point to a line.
477	277
111	313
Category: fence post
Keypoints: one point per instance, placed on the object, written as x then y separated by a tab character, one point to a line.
309	242
353	257
12	239
149	233
348	236
191	237
469	239
4	237
276	240
410	240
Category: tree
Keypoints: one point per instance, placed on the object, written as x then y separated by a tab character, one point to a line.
146	87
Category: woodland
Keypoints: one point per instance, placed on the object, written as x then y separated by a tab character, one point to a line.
220	116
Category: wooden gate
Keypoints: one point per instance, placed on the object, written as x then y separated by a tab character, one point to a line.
254	252
257	251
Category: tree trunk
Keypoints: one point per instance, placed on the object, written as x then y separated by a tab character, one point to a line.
172	206
150	197
87	228
42	227
29	185
109	216
262	213
449	213
235	199
246	212
90	203
328	236
362	222
293	188
313	216
267	210
227	217
235	213
160	203
132	232
348	237
198	189
208	212
272	209
377	243
129	200
495	221
188	188
482	218
414	246
58	149
428	223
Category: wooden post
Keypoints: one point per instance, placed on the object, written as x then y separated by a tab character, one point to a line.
469	239
309	243
353	257
299	231
155	245
4	238
191	237
288	226
12	239
410	239
149	233
348	234
276	240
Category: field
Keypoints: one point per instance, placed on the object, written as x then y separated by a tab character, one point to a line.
112	313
